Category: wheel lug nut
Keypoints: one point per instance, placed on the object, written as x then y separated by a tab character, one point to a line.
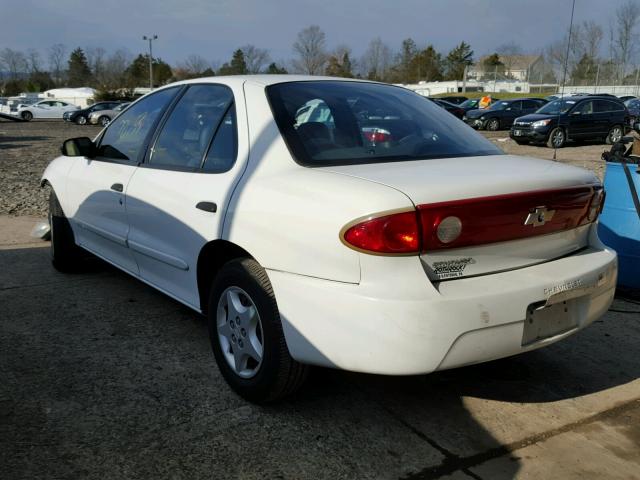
243	332
233	338
241	343
231	324
237	320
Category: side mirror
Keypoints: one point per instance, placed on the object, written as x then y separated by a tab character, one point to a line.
79	147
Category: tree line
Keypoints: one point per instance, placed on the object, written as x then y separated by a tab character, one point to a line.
594	51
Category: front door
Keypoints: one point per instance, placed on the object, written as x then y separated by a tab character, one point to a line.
581	120
177	199
99	214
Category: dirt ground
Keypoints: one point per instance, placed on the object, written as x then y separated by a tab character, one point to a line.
27	148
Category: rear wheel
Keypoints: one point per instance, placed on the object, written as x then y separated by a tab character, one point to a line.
27	116
66	256
104	120
615	134
246	334
81	120
557	138
493	124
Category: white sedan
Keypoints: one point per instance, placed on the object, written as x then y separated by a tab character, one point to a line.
379	234
45	109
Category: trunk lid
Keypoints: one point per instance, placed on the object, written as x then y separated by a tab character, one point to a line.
515	211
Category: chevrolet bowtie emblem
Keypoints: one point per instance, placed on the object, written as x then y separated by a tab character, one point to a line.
539	216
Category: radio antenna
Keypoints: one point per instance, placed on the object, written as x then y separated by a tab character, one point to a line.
564	75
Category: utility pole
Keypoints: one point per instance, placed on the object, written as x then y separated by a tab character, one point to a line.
150	38
464	79
597	78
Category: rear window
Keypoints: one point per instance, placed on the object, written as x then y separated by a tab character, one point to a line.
339	123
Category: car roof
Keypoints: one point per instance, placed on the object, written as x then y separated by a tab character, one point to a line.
263	79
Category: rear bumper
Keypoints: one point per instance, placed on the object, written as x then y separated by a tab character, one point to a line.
404	325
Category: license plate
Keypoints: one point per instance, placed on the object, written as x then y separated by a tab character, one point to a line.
549	321
517	133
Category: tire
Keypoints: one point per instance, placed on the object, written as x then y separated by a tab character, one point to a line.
614	135
104	121
493	124
26	116
81	120
257	326
557	138
66	256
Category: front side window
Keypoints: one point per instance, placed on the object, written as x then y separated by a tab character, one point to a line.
125	137
187	133
585	108
338	122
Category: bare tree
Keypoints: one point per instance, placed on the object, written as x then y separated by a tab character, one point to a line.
115	67
95	59
310	47
590	38
625	22
34	62
255	58
376	61
508	52
14	61
195	64
57	58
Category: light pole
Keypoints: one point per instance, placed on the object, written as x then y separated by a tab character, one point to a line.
150	38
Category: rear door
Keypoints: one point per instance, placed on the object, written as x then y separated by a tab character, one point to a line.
177	199
98	186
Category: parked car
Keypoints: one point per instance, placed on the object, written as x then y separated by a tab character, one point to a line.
46	109
633	107
306	243
103	117
502	114
624	98
82	116
557	96
455	99
573	118
449	107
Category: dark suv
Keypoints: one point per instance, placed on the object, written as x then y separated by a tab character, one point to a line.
81	116
501	114
573	118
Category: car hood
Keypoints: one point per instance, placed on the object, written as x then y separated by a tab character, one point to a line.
475	113
534	117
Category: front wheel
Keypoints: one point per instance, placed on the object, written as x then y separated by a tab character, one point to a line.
615	135
81	120
246	334
27	116
66	256
557	138
104	120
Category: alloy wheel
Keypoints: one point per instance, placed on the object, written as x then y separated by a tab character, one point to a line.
240	332
558	138
615	135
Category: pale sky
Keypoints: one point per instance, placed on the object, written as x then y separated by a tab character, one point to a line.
214	28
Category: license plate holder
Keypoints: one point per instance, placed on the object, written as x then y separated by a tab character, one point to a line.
544	322
517	133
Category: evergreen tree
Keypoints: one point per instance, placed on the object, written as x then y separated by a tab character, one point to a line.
339	67
456	61
426	65
138	72
237	66
408	51
274	69
79	72
584	70
492	65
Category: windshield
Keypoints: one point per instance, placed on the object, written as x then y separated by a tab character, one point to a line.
339	123
632	102
557	106
472	102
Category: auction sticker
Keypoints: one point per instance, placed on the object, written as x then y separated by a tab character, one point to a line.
451	268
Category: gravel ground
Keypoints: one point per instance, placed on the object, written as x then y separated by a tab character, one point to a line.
25	151
27	148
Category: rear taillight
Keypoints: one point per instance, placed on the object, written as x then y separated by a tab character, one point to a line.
476	221
394	234
376	135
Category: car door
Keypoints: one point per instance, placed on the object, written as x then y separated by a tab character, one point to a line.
177	199
42	109
97	186
513	111
582	120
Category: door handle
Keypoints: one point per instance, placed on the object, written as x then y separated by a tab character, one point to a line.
118	187
207	207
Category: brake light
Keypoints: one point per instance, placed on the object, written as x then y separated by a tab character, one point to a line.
476	221
397	234
376	135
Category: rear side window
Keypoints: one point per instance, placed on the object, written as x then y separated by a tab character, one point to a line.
186	135
608	106
530	104
339	123
125	137
224	148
